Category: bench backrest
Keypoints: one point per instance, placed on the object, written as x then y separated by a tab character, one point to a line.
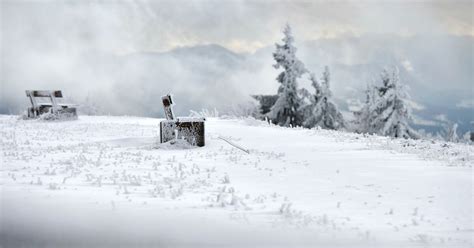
44	93
52	94
167	102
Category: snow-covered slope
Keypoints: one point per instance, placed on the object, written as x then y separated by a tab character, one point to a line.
104	182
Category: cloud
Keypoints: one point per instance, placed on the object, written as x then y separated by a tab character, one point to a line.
442	118
407	65
415	105
466	103
417	120
239	24
119	53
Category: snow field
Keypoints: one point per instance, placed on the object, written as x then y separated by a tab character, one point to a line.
104	181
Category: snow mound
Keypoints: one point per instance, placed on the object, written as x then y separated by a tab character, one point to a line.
58	117
50	117
177	144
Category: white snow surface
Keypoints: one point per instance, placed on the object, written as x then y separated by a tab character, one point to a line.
103	181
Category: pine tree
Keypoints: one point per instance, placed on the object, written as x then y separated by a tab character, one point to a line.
322	111
390	113
285	111
312	111
362	116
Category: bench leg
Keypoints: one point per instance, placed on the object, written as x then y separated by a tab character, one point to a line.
32	112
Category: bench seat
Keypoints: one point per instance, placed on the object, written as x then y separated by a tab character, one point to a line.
48	104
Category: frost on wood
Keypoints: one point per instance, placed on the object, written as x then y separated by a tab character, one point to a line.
285	110
167	103
189	129
49	110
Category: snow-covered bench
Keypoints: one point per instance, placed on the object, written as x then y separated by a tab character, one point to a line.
187	128
52	107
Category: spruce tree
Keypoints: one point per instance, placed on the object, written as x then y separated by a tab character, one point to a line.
285	111
312	111
322	111
362	116
390	113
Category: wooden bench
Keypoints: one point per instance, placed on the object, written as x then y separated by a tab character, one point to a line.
189	129
53	107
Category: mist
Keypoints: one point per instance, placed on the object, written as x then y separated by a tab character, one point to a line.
121	56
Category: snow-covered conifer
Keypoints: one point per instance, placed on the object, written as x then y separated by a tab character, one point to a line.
312	111
391	112
362	116
285	111
322	111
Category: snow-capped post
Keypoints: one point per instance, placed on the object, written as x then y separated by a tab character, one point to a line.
184	128
57	110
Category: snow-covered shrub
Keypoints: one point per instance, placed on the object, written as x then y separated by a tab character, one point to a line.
88	108
249	108
468	137
451	133
204	113
228	198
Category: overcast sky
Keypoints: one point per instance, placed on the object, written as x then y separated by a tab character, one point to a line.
237	25
66	44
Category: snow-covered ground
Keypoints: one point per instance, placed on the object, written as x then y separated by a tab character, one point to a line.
105	182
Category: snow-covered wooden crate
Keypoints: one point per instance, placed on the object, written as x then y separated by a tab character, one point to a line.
189	129
60	110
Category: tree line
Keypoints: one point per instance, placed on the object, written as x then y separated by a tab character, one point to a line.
386	110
